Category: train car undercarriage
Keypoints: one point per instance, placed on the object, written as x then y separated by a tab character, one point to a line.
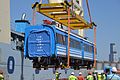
60	62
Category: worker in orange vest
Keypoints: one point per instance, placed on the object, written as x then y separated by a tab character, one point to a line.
80	77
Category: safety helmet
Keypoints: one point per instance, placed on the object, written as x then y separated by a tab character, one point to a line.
80	72
114	69
99	72
72	73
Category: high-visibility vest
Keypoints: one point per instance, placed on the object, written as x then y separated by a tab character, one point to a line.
57	75
99	77
103	76
1	77
90	77
71	77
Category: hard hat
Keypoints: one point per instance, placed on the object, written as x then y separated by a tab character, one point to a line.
114	69
80	72
99	72
72	73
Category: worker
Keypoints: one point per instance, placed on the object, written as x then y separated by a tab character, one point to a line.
113	75
57	74
103	76
72	77
107	70
94	76
1	76
90	76
80	77
99	77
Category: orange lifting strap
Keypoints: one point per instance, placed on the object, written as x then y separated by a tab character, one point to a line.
94	33
68	61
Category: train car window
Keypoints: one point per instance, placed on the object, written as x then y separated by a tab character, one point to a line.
84	47
64	42
60	39
88	48
75	44
78	45
71	43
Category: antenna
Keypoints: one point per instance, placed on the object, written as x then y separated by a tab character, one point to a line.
23	16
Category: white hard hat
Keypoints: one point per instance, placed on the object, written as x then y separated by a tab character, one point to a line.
72	73
114	69
99	72
80	72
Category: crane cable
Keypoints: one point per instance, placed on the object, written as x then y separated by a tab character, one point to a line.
40	1
34	13
89	11
94	34
34	17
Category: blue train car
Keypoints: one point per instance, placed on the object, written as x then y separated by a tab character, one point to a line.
47	45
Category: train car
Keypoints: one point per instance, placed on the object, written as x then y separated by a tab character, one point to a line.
47	45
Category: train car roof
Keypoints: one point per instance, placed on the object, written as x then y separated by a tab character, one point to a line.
74	34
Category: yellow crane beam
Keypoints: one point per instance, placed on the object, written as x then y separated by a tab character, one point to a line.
59	13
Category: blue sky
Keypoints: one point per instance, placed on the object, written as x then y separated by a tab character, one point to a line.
105	13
